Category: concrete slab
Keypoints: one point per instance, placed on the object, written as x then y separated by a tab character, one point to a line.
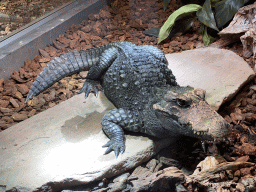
218	71
63	146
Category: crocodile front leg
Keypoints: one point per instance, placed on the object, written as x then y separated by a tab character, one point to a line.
113	124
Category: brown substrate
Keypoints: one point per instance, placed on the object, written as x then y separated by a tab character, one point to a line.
126	21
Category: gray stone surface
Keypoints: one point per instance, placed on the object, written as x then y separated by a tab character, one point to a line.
62	145
218	71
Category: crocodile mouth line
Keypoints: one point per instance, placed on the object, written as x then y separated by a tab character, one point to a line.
205	133
200	132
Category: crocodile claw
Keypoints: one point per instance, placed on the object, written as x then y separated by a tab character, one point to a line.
114	146
96	91
90	86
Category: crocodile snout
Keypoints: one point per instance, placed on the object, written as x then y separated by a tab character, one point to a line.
187	113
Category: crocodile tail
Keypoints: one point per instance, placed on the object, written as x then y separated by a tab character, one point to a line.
65	65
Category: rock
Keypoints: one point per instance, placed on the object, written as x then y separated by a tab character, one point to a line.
180	188
249	183
249	42
242	21
243	26
18	95
7	119
51	104
243	159
71	133
158	167
23	88
19	116
64	41
236	117
246	171
194	37
175	43
237	173
41	102
24	74
32	65
151	165
43	53
72	43
14	103
86	28
33	102
140	172
203	68
169	162
119	183
59	45
44	60
246	149
164	180
82	74
217	171
104	14
207	163
121	177
4	103
185	47
253	87
72	129
5	110
19	189
16	76
225	186
32	113
51	50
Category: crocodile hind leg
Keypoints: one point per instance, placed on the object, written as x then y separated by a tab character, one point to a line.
94	74
90	86
114	123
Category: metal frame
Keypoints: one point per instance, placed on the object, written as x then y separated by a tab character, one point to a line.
24	43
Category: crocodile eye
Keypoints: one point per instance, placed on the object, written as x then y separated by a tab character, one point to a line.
183	103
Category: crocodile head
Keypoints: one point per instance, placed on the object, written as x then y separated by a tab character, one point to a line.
184	111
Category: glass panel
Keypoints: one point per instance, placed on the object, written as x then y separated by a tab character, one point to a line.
15	14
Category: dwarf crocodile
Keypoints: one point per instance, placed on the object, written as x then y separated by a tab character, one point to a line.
142	88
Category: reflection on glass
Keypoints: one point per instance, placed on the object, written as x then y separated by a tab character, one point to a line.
16	13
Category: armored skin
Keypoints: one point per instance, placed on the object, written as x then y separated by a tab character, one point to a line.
142	88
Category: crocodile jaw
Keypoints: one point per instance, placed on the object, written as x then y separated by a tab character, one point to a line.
196	120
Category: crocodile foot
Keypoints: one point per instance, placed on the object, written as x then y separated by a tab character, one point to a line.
116	146
90	86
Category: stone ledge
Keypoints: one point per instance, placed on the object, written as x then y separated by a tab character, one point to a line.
62	145
220	72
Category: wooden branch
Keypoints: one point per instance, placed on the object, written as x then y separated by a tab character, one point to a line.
210	173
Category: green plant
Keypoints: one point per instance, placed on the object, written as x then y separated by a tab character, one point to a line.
213	14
